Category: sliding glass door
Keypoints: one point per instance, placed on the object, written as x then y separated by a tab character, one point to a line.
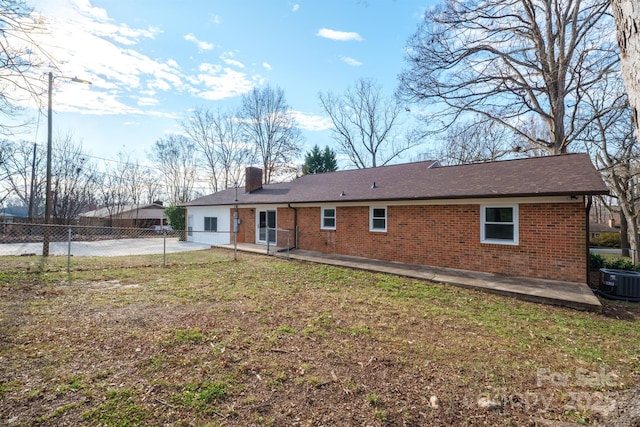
267	226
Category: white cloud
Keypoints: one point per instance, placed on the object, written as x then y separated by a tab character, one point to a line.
201	44
350	61
339	35
295	7
216	20
145	102
87	43
312	122
158	84
222	82
233	62
266	65
227	59
101	24
83	99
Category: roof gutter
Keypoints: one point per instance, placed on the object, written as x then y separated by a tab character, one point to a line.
405	199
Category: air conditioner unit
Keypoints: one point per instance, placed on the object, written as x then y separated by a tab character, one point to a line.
622	284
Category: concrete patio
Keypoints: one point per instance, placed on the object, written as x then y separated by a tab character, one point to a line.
568	294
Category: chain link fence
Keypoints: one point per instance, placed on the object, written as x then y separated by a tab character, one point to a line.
280	241
81	245
76	247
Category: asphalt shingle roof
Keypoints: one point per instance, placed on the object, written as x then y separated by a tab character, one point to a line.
568	174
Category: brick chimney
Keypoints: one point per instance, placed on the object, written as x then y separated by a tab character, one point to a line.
252	179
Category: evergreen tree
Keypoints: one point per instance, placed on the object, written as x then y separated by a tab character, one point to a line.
316	161
176	217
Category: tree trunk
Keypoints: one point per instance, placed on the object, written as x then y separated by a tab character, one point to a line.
634	239
627	16
624	234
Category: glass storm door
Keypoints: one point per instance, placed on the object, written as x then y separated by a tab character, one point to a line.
267	220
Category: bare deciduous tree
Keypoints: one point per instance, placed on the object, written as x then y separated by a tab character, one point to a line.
17	162
152	190
627	16
73	182
6	156
617	154
218	136
366	124
473	142
18	56
112	192
233	152
508	60
176	158
134	176
268	123
122	184
200	128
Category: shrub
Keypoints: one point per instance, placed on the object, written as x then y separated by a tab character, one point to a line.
596	261
606	240
619	264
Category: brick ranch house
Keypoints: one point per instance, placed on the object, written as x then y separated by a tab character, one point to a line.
525	217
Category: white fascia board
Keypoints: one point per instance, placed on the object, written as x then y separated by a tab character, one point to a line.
441	202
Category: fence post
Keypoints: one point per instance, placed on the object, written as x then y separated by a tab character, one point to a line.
164	248
69	250
235	230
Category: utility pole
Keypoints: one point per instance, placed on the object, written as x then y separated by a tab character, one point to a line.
47	196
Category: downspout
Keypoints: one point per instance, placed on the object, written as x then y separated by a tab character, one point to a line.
587	236
295	226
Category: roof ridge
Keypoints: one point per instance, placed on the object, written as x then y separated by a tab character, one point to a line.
517	159
373	167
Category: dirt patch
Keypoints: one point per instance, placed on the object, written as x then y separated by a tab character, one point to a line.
621	310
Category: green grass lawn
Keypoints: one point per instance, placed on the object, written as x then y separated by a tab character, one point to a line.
265	341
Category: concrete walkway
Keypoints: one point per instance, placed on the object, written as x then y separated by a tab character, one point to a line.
568	294
112	247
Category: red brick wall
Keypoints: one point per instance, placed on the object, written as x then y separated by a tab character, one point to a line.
551	238
285	221
247	229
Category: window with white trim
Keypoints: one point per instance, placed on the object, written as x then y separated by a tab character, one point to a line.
328	218
499	224
377	218
210	223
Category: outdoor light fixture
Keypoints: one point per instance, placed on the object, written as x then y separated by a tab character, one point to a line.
47	196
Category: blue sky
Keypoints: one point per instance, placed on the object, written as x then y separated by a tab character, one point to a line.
152	61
